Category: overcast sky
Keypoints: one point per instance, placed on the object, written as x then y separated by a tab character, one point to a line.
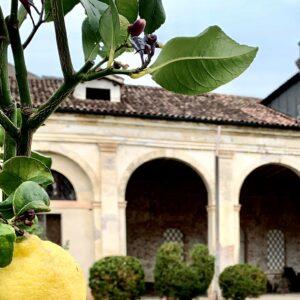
272	25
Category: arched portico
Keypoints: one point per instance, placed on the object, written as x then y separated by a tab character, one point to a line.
269	220
166	201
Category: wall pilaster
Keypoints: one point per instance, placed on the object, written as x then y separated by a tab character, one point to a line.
109	216
211	235
122	225
228	213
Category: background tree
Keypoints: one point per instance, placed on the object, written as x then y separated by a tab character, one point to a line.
188	65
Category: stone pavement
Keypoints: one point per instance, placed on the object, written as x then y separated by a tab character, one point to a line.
281	296
266	297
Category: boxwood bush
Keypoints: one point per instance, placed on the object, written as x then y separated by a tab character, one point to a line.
179	279
117	278
241	281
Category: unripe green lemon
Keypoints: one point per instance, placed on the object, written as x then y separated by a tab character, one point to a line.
41	270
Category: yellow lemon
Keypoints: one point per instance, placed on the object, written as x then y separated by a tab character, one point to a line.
41	270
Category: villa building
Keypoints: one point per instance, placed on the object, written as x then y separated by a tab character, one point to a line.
137	166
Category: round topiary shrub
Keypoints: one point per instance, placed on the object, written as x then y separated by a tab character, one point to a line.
204	265
175	278
241	281
117	278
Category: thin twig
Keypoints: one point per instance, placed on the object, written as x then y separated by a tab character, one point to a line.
32	34
36	26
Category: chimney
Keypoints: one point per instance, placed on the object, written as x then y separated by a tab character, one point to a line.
298	60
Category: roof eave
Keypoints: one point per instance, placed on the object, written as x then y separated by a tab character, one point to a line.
185	119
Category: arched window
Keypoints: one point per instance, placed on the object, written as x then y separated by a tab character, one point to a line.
276	250
61	189
173	235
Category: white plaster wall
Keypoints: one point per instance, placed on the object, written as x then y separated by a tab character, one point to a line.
115	89
106	150
77	231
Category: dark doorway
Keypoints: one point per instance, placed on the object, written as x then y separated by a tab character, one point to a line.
166	202
270	201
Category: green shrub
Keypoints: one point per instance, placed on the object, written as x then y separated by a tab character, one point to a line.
117	278
241	281
204	264
175	278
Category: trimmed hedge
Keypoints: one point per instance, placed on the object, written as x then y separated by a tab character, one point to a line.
241	281
175	278
117	278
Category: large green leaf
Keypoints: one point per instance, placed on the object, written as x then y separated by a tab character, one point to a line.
128	8
68	5
29	195
110	28
45	159
123	37
153	12
19	169
22	14
6	208
94	9
90	41
7	239
195	65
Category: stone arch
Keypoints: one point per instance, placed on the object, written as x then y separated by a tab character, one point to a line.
242	174
164	154
75	173
166	195
269	203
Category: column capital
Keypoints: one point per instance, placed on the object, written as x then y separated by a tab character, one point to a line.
211	208
237	207
108	147
226	154
122	204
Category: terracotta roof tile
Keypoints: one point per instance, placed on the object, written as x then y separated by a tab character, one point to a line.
157	103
